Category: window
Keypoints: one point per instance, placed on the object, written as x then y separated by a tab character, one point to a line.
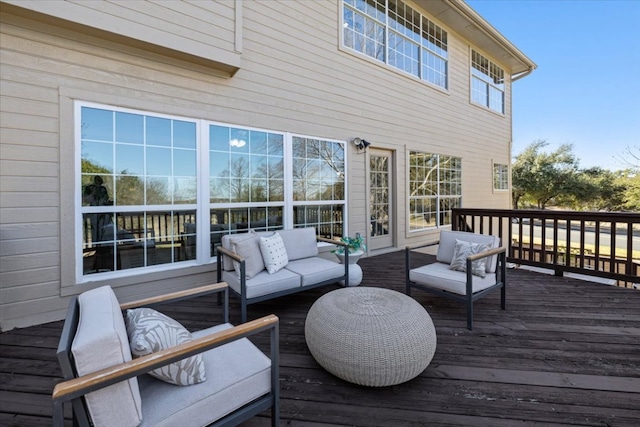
487	83
435	185
158	190
318	183
500	177
396	34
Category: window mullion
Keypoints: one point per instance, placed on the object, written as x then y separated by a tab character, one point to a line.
203	246
288	181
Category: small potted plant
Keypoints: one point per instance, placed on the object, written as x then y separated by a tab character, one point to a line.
355	246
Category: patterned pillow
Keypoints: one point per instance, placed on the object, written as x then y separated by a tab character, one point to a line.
249	249
274	253
462	251
151	331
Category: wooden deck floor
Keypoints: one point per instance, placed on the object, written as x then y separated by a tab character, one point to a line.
565	352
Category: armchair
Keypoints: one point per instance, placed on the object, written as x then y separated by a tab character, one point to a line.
457	284
107	387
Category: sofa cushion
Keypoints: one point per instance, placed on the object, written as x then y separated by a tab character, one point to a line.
300	242
151	331
242	374
274	253
448	242
248	248
462	251
438	275
315	270
263	283
100	342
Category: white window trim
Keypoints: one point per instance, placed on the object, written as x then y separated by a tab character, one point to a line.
202	205
488	83
385	64
438	226
493	183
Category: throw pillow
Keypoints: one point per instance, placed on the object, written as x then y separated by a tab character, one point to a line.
151	331
249	249
274	253
462	251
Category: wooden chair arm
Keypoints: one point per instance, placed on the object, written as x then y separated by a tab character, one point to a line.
175	296
80	386
485	254
334	242
228	253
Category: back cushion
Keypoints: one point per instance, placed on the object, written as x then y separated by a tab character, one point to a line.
101	341
228	242
300	242
448	243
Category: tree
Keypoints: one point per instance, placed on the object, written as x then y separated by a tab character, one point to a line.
629	180
539	177
595	189
631	158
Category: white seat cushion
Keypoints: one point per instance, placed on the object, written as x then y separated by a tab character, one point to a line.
238	373
100	342
263	283
438	275
315	270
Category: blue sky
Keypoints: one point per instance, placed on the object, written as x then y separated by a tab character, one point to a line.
586	89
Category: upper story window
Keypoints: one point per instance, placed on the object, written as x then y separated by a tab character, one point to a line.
435	188
500	177
487	83
155	190
396	34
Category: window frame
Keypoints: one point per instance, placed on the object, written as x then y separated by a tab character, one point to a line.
500	176
489	77
430	41
204	206
440	198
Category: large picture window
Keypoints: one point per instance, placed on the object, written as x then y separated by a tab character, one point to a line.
394	33
435	188
487	83
155	190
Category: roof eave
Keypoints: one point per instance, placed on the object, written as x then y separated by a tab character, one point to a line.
460	17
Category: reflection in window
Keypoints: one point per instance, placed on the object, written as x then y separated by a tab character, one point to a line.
134	168
398	35
140	193
435	188
318	184
487	83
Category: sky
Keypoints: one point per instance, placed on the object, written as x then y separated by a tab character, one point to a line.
586	89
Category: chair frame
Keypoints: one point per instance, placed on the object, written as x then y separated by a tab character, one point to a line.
75	387
469	297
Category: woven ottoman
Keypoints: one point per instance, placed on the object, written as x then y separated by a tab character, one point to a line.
370	336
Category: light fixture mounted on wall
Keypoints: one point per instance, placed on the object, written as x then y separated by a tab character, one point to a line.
361	143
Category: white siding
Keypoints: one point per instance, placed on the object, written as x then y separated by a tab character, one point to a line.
294	77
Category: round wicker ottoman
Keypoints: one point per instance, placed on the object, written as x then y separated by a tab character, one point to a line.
370	336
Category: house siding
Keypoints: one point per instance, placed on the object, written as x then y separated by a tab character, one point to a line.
294	77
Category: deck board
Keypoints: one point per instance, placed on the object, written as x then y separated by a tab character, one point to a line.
565	352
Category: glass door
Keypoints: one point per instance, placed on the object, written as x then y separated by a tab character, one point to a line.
380	199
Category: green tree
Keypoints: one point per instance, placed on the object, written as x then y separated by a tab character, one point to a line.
595	189
539	177
629	180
